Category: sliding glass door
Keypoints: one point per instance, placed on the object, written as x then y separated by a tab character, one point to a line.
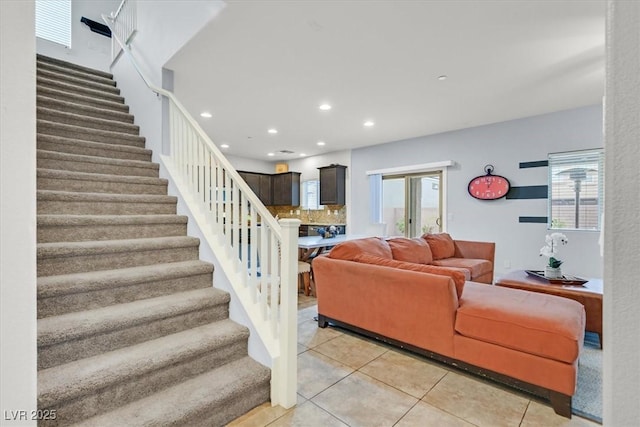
412	204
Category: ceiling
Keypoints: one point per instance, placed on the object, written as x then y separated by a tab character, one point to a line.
261	65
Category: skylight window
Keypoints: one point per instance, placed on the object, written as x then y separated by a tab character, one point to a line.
53	21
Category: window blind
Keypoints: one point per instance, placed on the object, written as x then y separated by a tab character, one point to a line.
53	21
576	189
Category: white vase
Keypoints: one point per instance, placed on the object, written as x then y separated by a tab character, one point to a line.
552	273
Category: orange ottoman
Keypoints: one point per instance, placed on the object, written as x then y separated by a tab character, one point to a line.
544	325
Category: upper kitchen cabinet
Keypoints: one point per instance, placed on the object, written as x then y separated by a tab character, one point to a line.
260	183
286	189
332	185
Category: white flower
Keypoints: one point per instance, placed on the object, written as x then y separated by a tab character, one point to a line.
550	250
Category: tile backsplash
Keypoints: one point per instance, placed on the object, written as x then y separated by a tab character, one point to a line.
329	215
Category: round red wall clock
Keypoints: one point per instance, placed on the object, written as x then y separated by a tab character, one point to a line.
489	186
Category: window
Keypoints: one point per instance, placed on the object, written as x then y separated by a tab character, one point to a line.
311	195
53	21
576	190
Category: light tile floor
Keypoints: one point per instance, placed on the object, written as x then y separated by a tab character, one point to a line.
348	380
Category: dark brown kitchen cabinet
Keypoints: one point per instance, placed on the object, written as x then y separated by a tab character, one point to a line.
332	185
260	183
286	189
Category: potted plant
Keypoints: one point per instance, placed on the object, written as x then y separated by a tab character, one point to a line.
550	249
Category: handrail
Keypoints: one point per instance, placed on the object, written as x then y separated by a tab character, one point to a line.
263	274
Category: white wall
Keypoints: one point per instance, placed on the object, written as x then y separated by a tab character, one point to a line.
87	48
503	145
621	363
17	211
163	28
252	165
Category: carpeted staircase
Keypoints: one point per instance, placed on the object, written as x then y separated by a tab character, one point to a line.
130	330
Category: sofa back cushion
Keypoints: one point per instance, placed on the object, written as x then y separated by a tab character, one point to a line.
441	245
457	276
375	246
410	250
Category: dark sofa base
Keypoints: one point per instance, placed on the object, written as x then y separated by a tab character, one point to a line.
561	403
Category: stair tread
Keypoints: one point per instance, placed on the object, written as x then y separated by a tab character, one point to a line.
68	381
104	197
67	219
95	247
79	324
51	286
43	124
88	176
51	67
89	119
78	89
62	104
90	144
83	99
71	65
57	155
108	86
196	395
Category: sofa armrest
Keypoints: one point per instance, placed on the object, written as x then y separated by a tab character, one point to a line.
412	307
475	250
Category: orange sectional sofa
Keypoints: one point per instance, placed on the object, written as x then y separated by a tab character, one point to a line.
528	340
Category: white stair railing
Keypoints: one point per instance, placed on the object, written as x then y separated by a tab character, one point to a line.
232	217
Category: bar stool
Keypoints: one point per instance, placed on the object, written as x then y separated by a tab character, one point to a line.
304	277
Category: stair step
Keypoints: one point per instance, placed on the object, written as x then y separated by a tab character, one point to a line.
79	228
72	66
74	336
79	74
210	399
66	202
82	99
76	257
84	388
90	290
91	148
87	122
93	162
86	182
109	87
79	90
96	135
82	109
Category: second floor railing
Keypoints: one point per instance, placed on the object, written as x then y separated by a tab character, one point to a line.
123	26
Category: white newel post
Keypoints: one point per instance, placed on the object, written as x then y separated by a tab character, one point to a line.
284	377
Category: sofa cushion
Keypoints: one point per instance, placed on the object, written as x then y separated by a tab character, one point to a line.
441	245
371	245
410	250
534	323
457	276
477	267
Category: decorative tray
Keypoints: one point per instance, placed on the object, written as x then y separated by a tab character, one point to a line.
565	280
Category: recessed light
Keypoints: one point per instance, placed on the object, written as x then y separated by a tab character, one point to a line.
270	154
320	143
224	145
302	154
206	115
273	131
368	123
442	77
325	107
